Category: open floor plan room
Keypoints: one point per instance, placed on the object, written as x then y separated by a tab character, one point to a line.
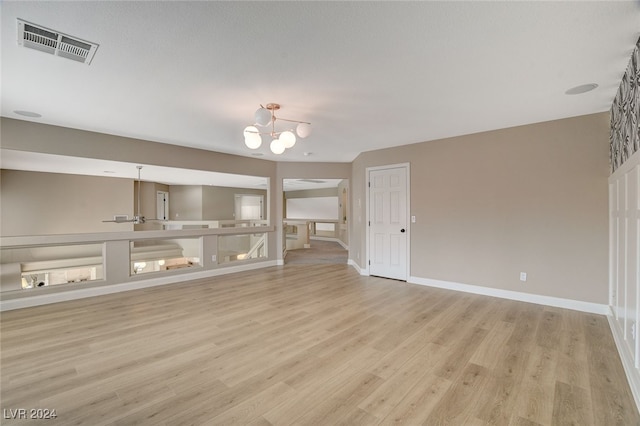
314	345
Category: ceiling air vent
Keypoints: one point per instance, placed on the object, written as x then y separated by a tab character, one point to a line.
54	42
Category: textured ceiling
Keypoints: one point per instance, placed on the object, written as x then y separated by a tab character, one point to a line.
367	75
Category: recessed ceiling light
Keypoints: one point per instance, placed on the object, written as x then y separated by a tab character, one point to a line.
306	154
28	114
108	171
584	88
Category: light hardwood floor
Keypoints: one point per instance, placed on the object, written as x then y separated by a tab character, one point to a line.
310	345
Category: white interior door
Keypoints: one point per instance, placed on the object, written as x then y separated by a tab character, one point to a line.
388	229
162	205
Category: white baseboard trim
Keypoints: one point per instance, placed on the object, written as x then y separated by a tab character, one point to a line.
576	305
632	373
81	293
280	262
335	240
357	267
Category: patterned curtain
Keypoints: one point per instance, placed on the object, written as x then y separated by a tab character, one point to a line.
624	137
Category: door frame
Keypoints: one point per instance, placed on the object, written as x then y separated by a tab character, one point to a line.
165	207
368	170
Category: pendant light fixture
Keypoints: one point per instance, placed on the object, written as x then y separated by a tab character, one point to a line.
281	140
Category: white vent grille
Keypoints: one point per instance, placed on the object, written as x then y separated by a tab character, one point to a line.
54	42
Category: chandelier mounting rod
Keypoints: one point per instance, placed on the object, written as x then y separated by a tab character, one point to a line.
274	107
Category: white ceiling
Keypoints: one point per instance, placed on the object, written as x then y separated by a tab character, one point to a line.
367	75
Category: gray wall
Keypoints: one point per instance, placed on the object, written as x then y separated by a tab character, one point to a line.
185	202
35	203
490	205
218	202
195	202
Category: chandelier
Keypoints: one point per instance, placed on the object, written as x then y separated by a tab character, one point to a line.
282	139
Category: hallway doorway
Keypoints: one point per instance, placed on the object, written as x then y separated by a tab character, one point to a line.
315	224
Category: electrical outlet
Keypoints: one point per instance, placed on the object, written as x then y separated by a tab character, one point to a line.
413	219
523	276
214	258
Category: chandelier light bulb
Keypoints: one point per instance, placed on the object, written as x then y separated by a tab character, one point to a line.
250	131
263	117
252	138
303	130
288	139
253	142
277	146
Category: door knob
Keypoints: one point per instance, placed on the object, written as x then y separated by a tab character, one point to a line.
402	230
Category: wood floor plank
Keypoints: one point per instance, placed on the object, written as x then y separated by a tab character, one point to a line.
393	360
260	421
310	396
549	329
526	323
535	403
571	406
419	402
519	421
253	367
393	390
609	397
361	358
341	402
497	337
310	344
251	408
458	354
357	417
458	405
501	388
163	411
